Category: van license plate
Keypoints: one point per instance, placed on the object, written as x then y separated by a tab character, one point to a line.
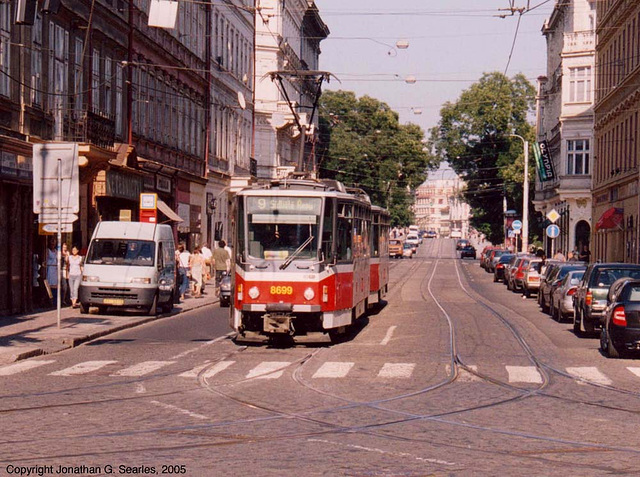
114	301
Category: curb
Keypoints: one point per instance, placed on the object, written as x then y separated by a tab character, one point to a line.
69	343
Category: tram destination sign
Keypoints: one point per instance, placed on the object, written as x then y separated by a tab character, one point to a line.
284	205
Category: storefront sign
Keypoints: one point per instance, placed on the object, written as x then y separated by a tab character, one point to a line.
163	184
544	161
123	185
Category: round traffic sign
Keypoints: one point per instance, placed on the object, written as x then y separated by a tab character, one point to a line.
516	225
553	231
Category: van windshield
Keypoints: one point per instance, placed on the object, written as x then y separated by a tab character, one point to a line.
138	253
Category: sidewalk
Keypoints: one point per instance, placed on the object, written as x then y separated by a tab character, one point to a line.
24	336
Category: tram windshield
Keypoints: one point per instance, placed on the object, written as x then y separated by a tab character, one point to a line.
280	226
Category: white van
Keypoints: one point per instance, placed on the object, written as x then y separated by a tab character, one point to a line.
129	265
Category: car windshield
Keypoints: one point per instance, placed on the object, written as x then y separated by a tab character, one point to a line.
121	252
505	258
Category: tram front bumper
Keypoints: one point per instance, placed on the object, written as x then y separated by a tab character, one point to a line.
280	323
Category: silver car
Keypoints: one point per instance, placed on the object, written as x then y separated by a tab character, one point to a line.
561	306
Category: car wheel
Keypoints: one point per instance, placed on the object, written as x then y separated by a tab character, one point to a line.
527	293
153	309
495	278
102	309
84	308
543	306
612	351
539	299
576	321
552	310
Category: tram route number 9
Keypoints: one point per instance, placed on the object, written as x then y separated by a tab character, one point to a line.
281	290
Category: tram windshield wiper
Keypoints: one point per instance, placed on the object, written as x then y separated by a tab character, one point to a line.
297	252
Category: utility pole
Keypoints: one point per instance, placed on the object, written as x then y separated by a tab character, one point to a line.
525	195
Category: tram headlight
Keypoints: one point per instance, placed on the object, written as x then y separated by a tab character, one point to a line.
325	294
254	293
309	294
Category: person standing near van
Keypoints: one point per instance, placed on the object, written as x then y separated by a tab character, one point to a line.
75	274
196	262
183	269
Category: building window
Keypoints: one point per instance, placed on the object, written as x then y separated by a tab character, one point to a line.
108	86
36	62
58	77
119	97
78	80
578	157
95	81
5	42
580	84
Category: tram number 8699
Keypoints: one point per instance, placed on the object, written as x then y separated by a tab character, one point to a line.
281	290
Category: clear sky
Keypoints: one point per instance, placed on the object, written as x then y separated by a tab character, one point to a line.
451	44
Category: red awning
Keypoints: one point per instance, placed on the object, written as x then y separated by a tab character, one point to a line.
610	219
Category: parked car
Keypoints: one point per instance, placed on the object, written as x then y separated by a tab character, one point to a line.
501	266
430	234
493	258
395	248
408	250
561	306
483	255
555	272
621	324
517	273
531	280
460	244
468	251
507	270
590	299
225	291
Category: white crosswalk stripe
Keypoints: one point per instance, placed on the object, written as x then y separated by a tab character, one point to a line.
591	374
82	368
524	374
333	370
215	369
635	371
268	370
396	370
22	366
143	368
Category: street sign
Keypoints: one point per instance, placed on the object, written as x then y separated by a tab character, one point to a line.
53	228
553	231
52	218
51	160
511	233
516	225
553	215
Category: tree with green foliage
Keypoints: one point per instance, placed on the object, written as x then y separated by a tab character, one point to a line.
362	144
474	135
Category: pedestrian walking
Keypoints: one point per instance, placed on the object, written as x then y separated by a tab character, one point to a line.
51	264
206	254
64	282
183	269
75	268
196	263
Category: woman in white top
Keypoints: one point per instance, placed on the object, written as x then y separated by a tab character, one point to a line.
74	262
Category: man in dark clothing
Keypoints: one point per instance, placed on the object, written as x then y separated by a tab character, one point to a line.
221	262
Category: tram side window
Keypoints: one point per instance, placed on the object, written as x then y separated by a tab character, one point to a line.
327	230
375	240
345	247
240	251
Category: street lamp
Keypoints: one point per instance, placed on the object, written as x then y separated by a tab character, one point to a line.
525	195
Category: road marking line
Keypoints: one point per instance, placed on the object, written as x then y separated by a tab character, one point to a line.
388	336
268	370
143	368
82	368
384	452
193	373
524	374
333	370
180	410
217	368
397	370
590	374
22	366
635	371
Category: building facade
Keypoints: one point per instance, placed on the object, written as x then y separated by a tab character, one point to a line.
565	123
288	36
159	110
438	205
615	174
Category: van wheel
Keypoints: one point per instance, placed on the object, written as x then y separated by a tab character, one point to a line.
168	306
84	308
153	309
576	321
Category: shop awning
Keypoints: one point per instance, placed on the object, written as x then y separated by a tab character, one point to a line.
610	219
166	210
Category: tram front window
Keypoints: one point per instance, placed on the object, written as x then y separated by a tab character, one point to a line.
278	226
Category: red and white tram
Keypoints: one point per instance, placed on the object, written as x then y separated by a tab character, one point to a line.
303	257
379	261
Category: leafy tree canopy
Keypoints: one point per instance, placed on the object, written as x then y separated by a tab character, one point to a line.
363	144
474	135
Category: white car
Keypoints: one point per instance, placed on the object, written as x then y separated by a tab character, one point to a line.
413	239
